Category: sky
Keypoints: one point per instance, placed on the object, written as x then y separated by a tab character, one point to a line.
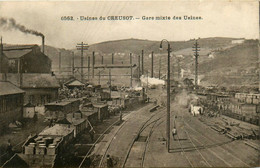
237	19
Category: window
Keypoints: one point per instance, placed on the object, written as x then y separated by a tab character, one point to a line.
48	98
43	99
31	99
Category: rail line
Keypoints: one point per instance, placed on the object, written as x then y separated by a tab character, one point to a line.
205	137
101	161
195	147
148	139
99	138
144	126
183	152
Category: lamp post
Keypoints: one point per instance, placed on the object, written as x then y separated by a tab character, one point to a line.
168	96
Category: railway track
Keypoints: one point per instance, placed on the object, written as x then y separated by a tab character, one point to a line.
204	160
202	140
144	127
150	122
220	146
100	138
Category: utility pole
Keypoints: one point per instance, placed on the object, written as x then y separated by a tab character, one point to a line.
110	85
160	68
179	68
142	62
88	67
99	77
196	54
93	64
112	58
152	66
139	67
59	62
131	82
81	46
73	65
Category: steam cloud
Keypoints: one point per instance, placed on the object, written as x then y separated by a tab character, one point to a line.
10	23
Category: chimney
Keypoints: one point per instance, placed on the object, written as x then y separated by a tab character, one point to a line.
1	57
43	44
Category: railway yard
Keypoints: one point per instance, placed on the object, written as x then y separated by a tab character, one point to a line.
116	113
140	142
132	133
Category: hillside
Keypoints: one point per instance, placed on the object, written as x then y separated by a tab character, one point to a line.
225	66
136	45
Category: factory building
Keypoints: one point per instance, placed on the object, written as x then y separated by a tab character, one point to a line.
40	88
26	59
11	104
30	70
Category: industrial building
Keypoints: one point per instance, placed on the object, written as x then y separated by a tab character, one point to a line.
26	59
29	69
39	88
11	104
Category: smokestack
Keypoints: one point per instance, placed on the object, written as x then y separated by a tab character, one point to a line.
1	49
43	44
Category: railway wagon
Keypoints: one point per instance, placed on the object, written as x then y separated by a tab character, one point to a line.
59	110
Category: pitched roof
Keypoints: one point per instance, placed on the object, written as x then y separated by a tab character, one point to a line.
29	105
19	47
63	121
16	53
7	88
74	82
35	80
16	161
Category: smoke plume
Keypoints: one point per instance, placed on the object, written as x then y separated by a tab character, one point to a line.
10	24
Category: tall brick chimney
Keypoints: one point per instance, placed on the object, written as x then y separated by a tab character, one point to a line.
43	41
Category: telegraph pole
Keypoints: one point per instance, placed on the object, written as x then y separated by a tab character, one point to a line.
112	58
93	64
81	46
131	82
99	77
139	67
88	67
73	65
179	69
160	68
59	62
142	62
110	85
196	54
152	66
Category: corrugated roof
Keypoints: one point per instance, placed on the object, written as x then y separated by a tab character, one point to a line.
35	80
16	53
7	88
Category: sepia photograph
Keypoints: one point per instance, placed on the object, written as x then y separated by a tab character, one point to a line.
86	84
